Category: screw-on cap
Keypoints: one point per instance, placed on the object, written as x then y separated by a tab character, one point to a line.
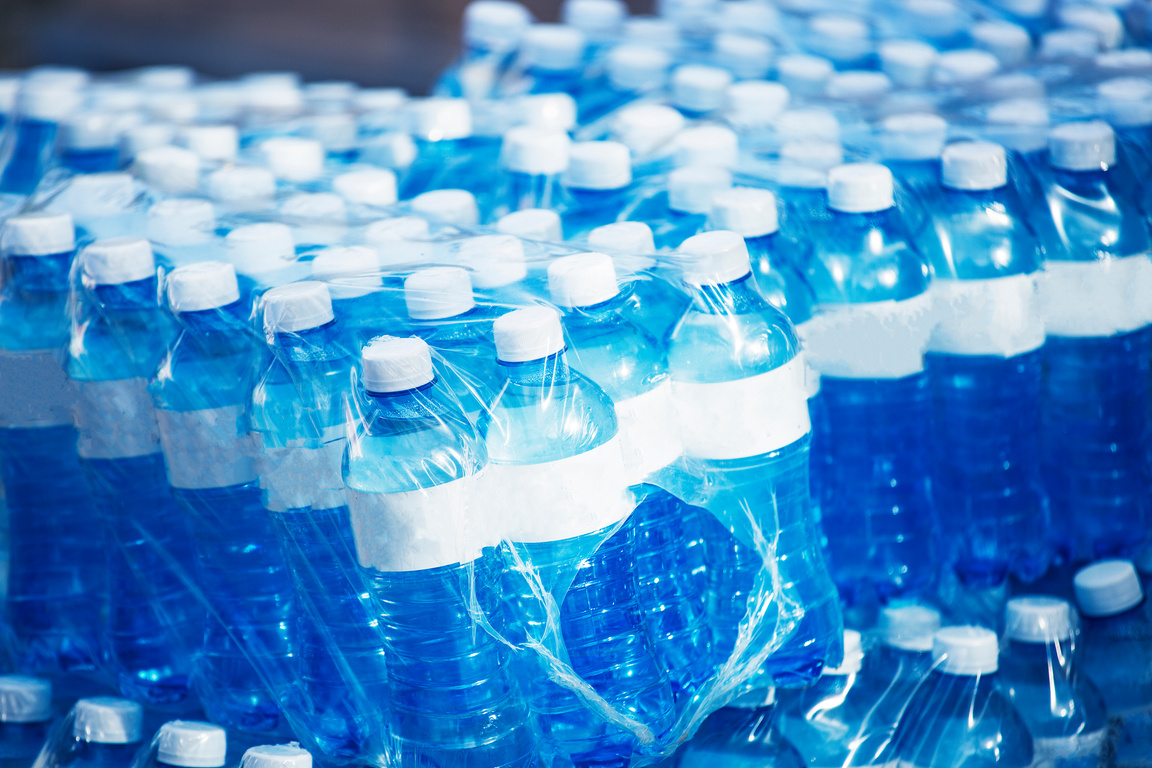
857	84
755	103
495	260
535	151
392	364
860	188
1015	85
1069	44
1036	619
380	99
749	16
908	62
38	234
582	280
315	206
527	334
1019	124
1087	145
181	221
934	18
686	11
118	260
1126	101
626	237
211	142
204	285
707	145
598	165
646	127
172	107
1130	59
804	74
165	77
1107	588
915	136
552	47
338	264
548	111
391	150
293	159
967	65
336	131
25	699
966	651
240	184
297	307
47	102
438	292
637	68
715	258
853	655
839	37
1104	22
691	189
597	18
700	88
260	248
745	56
532	224
808	124
495	24
1008	42
746	211
652	31
909	627
141	137
440	119
330	95
90	130
107	720
454	206
190	744
372	186
974	165
170	169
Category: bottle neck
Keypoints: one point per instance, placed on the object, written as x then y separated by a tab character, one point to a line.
309	345
543	373
135	296
737	297
40	274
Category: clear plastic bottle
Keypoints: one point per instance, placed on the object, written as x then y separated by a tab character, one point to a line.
679	209
491	34
360	302
89	143
449	154
744	734
598	185
631	72
25	714
411	472
532	162
552	57
42	104
901	659
106	732
191	744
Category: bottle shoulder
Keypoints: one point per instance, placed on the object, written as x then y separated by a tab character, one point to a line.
1089	218
864	258
979	235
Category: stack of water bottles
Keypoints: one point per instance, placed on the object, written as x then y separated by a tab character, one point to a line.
568	416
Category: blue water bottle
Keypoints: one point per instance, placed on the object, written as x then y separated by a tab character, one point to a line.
552	58
363	308
491	34
901	658
25	714
90	143
746	732
631	72
41	106
598	185
532	162
106	732
679	209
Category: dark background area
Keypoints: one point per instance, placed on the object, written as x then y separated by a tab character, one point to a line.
374	42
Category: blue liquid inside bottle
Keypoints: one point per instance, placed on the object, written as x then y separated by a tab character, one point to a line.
670	227
32	144
590	208
741	737
26	708
100	160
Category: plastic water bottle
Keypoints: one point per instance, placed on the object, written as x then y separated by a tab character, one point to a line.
26	712
41	106
56	579
411	471
597	186
102	205
1041	669
744	734
241	189
492	32
732	356
911	146
366	191
1122	102
168	170
200	390
89	143
533	161
868	346
105	732
191	744
183	230
680	210
901	659
297	163
498	268
449	155
632	368
552	56
263	255
539	224
553	444
649	131
122	333
316	218
1092	297
360	302
217	145
962	713
450	206
630	72
699	90
1116	629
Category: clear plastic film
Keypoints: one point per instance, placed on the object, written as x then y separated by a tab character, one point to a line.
95	731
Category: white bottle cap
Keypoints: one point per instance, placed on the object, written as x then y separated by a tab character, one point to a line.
1126	101
240	183
935	18
804	74
211	142
908	62
371	186
841	38
858	84
1036	619
58	76
532	224
180	107
966	651
326	95
189	744
495	260
1069	44
273	94
297	307
141	137
756	103
438	292
808	124
181	221
339	266
646	127
715	258
1019	124
1015	85
38	234
440	119
746	56
860	188
535	151
380	99
966	65
1086	145
548	111
746	211
1008	42
165	77
1104	22
203	285
749	16
626	237
107	720
597	18
909	627
336	131
256	249
700	88
974	166
853	655
47	103
637	68
1107	588
707	145
527	334
272	79
454	206
393	149
691	189
25	699
914	136
118	260
1133	59
495	24
10	91
171	170
553	47
222	100
598	165
582	280
89	130
293	159
652	31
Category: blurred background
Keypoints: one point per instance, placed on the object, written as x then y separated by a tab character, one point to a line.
374	42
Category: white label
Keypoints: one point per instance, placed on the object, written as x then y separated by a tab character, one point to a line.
209	448
303	474
116	419
34	390
649	438
1096	298
873	340
999	316
747	417
532	503
1080	750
